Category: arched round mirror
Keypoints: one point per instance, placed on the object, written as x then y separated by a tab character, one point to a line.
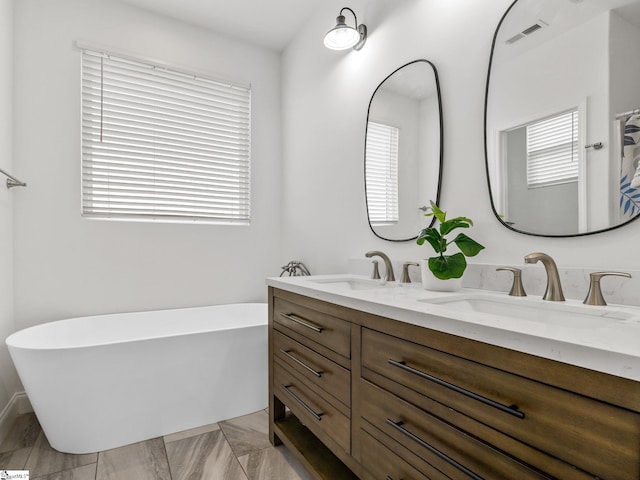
403	151
562	116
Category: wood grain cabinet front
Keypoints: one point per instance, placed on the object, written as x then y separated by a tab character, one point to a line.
310	384
328	421
320	331
359	396
573	428
445	447
310	365
381	463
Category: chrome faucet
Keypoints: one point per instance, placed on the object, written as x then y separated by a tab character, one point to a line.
388	274
554	289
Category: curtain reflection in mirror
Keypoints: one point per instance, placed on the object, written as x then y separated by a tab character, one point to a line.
629	126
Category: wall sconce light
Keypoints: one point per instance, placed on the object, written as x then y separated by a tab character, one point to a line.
342	36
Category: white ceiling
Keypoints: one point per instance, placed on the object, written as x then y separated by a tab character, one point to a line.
271	23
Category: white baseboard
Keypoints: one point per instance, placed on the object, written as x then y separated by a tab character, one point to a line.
18	405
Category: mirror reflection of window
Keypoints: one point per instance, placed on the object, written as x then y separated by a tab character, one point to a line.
382	173
552	150
402	171
549	56
542	174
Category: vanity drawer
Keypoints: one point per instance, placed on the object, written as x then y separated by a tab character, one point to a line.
312	409
329	376
383	464
442	445
577	429
322	329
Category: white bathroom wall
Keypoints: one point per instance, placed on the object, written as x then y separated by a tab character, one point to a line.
8	378
69	266
326	94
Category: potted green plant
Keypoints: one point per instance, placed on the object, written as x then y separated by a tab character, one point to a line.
444	272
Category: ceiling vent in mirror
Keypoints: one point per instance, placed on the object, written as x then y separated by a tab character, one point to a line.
527	31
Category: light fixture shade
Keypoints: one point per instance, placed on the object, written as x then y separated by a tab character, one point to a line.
341	37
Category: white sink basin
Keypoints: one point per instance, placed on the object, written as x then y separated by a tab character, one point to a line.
354	283
534	310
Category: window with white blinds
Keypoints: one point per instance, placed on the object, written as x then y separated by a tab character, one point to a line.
552	150
162	145
382	173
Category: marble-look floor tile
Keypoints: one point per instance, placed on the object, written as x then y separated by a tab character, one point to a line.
15	459
191	433
271	463
139	461
206	456
86	472
45	460
247	433
23	433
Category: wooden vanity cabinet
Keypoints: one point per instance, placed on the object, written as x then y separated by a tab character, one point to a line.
397	401
310	384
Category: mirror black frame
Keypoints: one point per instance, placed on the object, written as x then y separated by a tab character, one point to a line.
440	161
486	153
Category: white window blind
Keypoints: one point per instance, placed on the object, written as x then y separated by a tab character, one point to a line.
382	173
552	150
163	145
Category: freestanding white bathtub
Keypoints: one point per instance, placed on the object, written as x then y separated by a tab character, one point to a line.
97	383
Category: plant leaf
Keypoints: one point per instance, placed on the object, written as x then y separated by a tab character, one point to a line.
434	238
467	245
448	266
439	214
458	222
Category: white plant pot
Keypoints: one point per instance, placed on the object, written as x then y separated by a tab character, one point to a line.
431	282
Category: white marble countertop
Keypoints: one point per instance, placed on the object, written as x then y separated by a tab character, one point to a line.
608	341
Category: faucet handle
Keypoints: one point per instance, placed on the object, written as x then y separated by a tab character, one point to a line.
376	273
594	296
517	289
405	271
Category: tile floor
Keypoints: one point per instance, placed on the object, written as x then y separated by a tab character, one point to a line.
236	449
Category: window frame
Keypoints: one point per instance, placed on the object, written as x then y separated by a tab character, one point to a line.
383	206
187	179
553	144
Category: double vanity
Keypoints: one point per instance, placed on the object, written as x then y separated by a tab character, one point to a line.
385	381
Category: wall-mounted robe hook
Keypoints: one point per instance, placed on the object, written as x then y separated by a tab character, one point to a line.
595	146
12	181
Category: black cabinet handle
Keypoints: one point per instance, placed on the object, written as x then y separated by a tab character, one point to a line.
511	410
303	322
317	416
301	363
435	451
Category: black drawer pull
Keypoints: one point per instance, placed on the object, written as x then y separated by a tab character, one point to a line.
435	451
511	410
301	363
303	322
317	416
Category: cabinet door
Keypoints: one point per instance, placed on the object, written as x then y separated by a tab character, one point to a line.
571	427
313	409
322	329
384	464
328	375
445	447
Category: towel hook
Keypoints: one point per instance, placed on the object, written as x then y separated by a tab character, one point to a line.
12	181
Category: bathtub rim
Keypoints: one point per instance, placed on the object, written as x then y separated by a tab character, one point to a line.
12	341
